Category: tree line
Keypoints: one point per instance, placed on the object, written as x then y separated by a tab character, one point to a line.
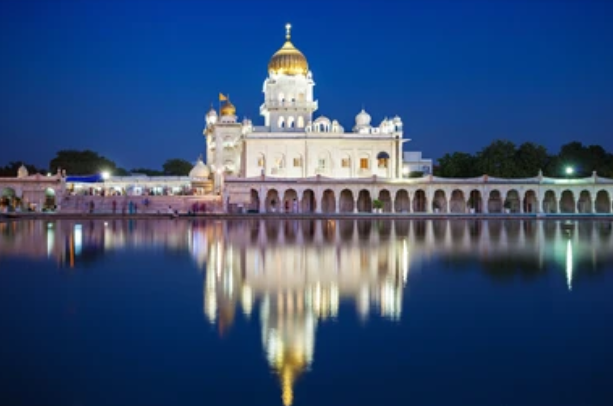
502	158
88	162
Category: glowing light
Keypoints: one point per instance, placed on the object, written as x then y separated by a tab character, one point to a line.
78	239
105	175
569	170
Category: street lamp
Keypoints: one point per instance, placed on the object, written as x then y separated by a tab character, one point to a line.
105	175
569	170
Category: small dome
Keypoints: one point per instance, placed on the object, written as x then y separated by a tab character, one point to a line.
288	60
322	119
362	119
228	109
200	170
397	120
22	172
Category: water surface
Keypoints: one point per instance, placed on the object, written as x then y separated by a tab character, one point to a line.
348	312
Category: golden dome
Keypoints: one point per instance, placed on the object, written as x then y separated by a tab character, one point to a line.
288	60
228	109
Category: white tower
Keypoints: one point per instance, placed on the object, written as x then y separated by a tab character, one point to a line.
288	90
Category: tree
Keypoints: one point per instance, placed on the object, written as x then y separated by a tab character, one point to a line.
148	172
85	162
177	167
11	169
530	158
457	165
498	159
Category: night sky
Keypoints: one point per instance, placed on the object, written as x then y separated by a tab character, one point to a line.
132	80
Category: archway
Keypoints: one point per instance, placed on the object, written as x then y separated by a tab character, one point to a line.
550	203
419	201
530	202
8	199
439	202
386	199
402	203
603	202
290	201
475	202
456	202
308	203
254	205
512	201
567	202
494	203
364	201
328	202
346	201
584	204
49	204
272	201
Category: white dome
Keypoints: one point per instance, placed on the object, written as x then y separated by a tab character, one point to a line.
211	116
362	119
22	172
397	120
200	170
322	119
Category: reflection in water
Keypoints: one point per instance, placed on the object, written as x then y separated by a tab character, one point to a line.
296	273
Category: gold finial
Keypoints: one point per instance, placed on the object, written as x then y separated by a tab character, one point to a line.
288	28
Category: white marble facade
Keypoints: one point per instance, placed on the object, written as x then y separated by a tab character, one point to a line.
294	144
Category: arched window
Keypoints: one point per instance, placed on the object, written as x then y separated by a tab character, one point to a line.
300	122
383	159
281	97
290	122
281	122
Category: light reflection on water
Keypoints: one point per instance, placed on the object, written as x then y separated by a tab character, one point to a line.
295	274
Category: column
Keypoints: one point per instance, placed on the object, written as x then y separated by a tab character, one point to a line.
262	197
355	205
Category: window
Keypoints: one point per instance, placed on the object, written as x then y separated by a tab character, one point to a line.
261	162
346	163
382	162
363	163
280	163
297	162
322	163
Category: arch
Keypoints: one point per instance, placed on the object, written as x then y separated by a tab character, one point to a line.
456	202
475	201
603	202
281	122
278	164
364	201
584	203
386	198
300	122
346	203
328	201
8	199
512	201
402	203
530	203
308	203
290	122
50	200
383	160
254	203
281	97
419	201
290	201
439	202
272	204
567	202
550	203
494	202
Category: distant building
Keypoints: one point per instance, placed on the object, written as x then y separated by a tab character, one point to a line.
414	163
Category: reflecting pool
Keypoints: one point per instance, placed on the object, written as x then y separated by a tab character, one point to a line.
306	312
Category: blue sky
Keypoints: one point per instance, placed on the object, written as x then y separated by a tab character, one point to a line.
132	80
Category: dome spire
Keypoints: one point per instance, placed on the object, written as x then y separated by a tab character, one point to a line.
288	33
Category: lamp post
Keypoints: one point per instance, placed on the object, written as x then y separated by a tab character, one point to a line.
569	171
